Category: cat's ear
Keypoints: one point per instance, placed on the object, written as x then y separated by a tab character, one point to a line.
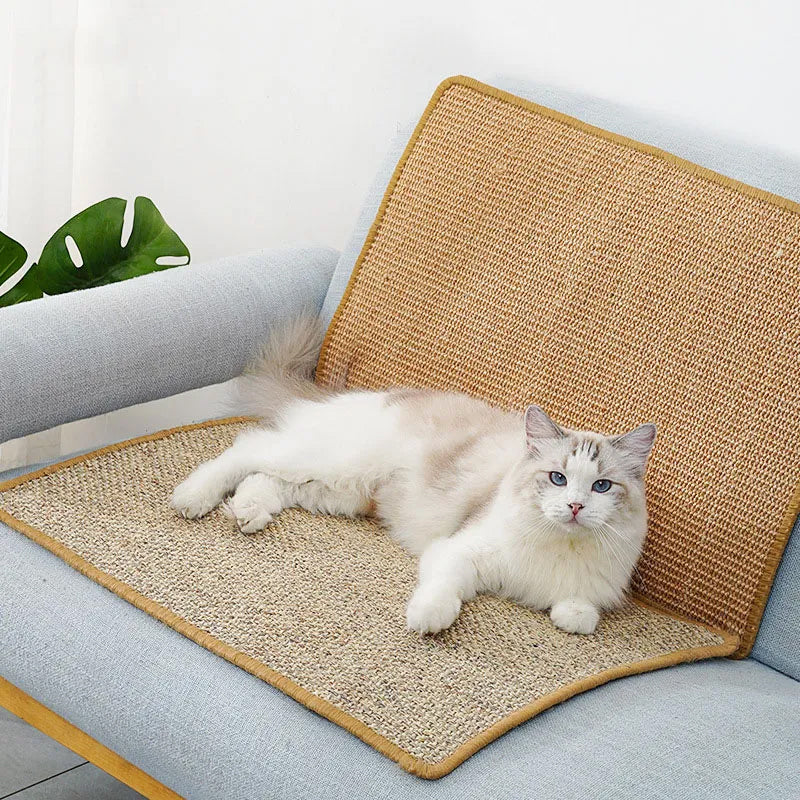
539	426
636	446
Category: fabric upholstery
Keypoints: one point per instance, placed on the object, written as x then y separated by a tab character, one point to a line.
369	209
208	729
84	353
778	640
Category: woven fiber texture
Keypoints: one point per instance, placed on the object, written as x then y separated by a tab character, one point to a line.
315	605
522	256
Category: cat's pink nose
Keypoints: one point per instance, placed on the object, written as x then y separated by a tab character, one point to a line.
576	507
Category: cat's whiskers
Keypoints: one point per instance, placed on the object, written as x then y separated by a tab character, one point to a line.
613	532
617	557
541	530
599	533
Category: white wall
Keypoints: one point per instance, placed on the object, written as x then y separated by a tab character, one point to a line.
253	124
260	123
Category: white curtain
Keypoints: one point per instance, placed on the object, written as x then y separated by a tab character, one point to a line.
37	109
37	93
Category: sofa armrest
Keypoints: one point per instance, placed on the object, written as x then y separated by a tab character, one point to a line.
84	353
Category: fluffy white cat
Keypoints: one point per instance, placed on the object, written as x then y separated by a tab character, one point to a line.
494	502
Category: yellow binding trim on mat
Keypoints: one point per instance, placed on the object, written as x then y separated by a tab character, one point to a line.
779	544
408	762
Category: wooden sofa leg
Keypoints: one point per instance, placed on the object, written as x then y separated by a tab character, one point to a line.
51	724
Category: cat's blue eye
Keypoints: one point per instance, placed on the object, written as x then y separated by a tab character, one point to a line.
601	486
558	479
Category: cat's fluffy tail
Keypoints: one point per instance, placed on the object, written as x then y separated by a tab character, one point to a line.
283	372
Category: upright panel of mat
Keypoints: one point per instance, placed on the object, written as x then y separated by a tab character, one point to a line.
524	256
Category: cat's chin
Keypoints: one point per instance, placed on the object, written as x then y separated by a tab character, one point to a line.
570	527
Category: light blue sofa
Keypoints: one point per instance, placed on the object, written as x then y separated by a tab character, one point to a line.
721	729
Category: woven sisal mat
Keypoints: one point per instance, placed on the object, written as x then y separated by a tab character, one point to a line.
521	256
524	256
315	606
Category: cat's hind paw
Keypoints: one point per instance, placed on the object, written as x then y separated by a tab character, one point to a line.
254	504
250	519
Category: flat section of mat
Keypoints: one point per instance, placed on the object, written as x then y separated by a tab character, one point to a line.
523	256
315	605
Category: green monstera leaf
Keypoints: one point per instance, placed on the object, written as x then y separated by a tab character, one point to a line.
100	256
87	251
12	258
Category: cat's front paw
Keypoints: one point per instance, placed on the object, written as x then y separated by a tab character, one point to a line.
431	612
195	497
575	616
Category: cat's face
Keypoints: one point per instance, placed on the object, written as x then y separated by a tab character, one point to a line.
583	481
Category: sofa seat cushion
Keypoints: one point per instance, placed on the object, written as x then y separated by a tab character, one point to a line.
208	729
